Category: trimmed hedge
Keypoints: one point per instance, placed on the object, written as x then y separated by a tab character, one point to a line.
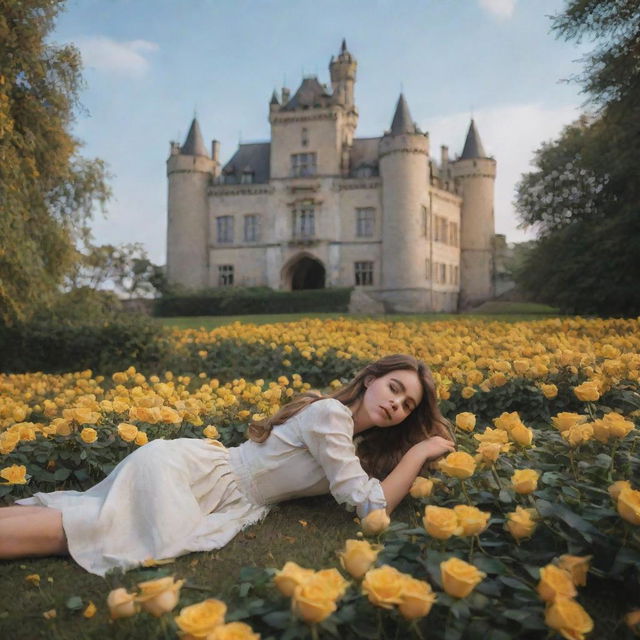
255	300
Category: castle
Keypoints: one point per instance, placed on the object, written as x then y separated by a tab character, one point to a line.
317	207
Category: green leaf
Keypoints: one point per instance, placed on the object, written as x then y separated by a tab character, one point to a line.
278	619
74	603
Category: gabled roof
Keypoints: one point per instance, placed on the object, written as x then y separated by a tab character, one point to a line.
309	94
402	120
194	144
254	156
473	145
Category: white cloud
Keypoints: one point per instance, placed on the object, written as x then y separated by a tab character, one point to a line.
128	58
510	134
502	9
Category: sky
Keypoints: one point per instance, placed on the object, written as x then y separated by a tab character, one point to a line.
151	65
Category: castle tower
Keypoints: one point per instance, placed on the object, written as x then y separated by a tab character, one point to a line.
343	76
474	174
189	170
404	167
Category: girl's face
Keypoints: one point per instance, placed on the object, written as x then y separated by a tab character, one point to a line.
388	400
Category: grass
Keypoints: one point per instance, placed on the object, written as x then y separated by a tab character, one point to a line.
489	311
280	537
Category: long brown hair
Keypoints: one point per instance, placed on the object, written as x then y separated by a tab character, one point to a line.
379	450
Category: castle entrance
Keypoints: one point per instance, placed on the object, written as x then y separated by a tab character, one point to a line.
304	272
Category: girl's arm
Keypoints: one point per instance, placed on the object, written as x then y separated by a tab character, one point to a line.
397	484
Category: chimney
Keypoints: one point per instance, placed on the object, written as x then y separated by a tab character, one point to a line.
285	95
215	150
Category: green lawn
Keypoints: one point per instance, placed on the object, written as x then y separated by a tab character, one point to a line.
505	311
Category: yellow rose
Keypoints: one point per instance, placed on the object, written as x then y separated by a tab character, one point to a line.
471	519
358	556
290	576
81	415
157	597
601	430
577	566
521	366
498	379
90	610
629	505
489	451
375	522
15	474
89	435
312	601
141	438
525	481
578	434
521	523
63	427
632	620
122	604
549	391
458	464
383	586
417	598
440	522
565	420
151	415
618	426
467	392
128	432
507	421
234	631
588	391
492	435
421	487
615	489
568	618
210	432
334	582
522	435
466	421
554	582
199	620
167	414
459	578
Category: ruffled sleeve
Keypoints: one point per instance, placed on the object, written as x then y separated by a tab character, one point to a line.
326	428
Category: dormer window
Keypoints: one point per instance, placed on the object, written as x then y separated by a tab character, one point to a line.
246	177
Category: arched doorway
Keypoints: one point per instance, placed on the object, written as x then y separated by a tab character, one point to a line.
304	272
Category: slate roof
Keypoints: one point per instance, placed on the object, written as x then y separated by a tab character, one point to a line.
402	120
364	153
254	157
473	145
194	144
309	94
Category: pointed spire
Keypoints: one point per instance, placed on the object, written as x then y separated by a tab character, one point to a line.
343	48
402	121
473	145
274	98
194	144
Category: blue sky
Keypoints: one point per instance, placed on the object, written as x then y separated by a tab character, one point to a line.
149	65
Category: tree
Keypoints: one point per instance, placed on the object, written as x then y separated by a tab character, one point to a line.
583	197
47	191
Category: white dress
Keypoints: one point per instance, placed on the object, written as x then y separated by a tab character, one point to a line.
172	497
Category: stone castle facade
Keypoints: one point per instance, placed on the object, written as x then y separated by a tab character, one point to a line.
318	207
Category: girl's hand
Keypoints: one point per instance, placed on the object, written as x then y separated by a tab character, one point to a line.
434	447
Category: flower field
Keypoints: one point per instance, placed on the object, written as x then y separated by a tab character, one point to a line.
523	532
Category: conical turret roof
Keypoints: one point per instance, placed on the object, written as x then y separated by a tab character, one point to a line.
402	120
194	144
473	145
274	98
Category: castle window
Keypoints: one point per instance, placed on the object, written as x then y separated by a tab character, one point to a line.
304	220
304	137
425	221
443	273
225	228
303	164
225	275
453	234
246	177
364	171
364	273
456	275
427	269
441	229
365	219
251	228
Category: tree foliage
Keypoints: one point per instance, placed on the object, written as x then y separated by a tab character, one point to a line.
583	197
47	191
